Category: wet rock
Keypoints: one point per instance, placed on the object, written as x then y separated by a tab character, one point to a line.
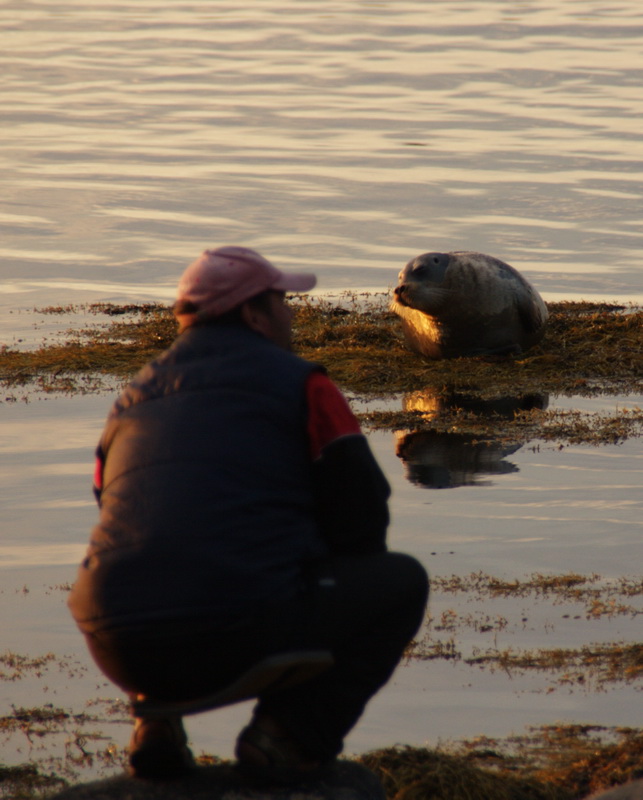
345	780
628	791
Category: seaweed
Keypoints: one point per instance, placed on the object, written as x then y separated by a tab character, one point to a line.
589	349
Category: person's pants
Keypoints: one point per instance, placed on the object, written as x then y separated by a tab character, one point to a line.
365	609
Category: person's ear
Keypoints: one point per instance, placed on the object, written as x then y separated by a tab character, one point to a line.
253	318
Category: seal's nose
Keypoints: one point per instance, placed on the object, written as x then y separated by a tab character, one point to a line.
399	290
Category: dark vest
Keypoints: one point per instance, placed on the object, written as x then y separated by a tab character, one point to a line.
207	506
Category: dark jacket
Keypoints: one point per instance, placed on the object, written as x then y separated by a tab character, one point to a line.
209	496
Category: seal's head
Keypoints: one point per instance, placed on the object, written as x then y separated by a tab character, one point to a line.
420	283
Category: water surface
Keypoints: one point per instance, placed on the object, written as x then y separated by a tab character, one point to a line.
345	137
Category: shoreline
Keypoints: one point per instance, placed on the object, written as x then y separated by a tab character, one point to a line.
361	347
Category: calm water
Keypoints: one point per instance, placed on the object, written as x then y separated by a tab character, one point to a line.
344	137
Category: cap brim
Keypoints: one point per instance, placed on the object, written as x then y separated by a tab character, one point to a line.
295	282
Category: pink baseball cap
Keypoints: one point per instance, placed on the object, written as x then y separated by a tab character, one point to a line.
220	280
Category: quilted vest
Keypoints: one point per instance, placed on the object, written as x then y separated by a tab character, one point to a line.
207	504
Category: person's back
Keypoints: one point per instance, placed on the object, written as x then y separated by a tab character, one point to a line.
206	499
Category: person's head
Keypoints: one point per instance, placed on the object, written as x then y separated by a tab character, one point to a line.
236	284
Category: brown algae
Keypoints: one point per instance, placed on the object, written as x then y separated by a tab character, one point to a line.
589	349
570	599
558	762
554	762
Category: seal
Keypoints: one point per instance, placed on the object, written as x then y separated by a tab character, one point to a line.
467	304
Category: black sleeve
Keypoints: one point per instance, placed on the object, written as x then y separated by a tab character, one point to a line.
351	493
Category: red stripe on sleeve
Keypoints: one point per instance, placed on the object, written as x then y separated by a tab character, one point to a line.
98	472
329	415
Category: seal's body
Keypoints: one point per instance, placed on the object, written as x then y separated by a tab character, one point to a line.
467	304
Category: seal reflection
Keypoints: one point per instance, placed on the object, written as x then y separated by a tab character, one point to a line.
440	460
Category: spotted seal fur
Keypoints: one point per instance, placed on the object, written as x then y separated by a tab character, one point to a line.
467	304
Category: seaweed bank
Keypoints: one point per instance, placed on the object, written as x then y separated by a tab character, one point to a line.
589	349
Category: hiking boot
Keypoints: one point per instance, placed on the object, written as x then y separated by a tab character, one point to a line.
158	749
267	755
